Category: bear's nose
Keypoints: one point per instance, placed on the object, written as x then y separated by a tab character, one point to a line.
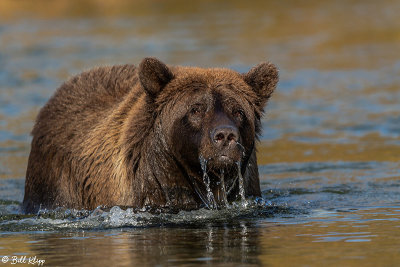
225	135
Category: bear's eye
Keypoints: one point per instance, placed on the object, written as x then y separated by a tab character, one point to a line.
197	110
238	114
195	115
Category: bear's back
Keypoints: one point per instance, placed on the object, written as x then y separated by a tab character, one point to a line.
83	101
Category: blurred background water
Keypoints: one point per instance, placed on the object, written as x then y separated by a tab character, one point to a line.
328	157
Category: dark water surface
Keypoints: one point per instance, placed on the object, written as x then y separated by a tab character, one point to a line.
328	158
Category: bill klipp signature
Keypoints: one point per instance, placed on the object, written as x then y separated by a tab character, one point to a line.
23	260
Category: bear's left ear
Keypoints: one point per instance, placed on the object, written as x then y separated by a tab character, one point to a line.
263	78
153	76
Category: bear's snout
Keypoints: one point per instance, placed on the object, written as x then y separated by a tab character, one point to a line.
225	145
224	135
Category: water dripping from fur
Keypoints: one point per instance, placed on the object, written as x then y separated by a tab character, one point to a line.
210	196
223	189
241	184
241	147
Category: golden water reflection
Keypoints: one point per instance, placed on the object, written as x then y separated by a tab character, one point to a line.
294	34
369	237
369	148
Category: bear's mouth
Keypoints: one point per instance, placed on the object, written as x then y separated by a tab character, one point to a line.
225	159
221	161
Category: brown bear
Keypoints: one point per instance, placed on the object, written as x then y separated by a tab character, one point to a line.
155	136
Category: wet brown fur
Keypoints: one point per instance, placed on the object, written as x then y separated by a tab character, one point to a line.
113	136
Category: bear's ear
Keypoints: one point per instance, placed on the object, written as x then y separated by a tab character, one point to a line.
153	76
263	78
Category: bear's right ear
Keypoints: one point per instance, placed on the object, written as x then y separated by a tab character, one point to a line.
153	76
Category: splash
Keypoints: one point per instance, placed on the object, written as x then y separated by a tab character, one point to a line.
62	219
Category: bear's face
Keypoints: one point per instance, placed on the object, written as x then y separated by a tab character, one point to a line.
207	115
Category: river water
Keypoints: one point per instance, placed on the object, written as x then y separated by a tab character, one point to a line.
328	157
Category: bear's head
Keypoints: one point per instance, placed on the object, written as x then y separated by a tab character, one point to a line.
207	119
